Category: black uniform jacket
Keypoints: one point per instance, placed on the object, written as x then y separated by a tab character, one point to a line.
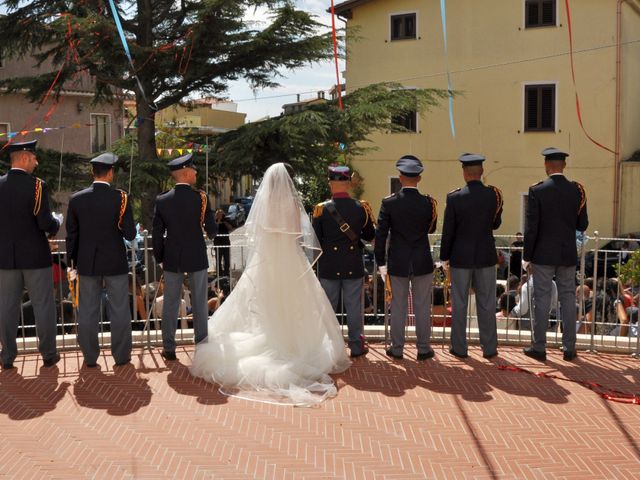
471	215
96	226
556	209
180	213
341	258
407	218
25	221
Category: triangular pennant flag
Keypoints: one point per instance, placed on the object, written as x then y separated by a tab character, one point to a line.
24	132
159	150
180	151
169	151
38	129
189	150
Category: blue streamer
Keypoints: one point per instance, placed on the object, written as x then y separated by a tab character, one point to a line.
123	39
443	15
125	45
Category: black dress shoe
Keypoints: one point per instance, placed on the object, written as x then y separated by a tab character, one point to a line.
569	355
393	355
490	355
52	361
90	365
459	355
169	356
128	361
426	355
359	354
530	352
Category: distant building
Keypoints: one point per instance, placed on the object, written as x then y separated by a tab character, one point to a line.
206	117
300	105
99	125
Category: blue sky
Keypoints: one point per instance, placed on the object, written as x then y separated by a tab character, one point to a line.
306	81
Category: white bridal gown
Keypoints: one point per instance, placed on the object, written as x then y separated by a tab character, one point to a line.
275	338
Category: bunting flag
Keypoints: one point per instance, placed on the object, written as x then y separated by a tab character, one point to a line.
170	151
22	133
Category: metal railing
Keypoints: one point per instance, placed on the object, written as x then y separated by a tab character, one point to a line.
607	311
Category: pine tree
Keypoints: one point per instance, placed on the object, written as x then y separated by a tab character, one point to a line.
177	47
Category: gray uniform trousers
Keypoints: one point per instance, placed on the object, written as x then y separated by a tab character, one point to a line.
352	290
566	283
422	293
39	283
483	281
171	306
118	314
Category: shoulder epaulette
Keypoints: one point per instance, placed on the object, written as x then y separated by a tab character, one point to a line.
368	210
318	210
454	191
583	196
536	184
390	196
499	200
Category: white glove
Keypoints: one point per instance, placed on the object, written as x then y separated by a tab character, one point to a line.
58	216
73	274
382	270
525	265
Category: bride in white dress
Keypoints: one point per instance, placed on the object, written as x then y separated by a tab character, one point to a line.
276	337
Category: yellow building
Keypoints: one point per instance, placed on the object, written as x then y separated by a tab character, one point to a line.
510	60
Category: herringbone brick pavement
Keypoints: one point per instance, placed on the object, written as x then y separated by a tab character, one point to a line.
444	418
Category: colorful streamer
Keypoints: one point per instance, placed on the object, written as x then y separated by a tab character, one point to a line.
575	87
443	16
125	45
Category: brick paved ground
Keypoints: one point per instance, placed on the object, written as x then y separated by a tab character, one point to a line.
445	418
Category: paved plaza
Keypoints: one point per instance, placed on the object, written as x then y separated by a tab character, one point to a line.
445	418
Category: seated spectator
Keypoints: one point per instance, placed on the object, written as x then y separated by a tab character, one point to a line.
525	297
505	304
585	317
216	300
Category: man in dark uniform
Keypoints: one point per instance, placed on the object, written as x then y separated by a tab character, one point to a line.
556	209
25	257
340	224
182	213
471	215
97	220
407	218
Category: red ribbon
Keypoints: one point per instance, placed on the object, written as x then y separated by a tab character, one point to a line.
604	392
573	75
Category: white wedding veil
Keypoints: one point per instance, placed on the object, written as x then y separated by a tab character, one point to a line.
277	208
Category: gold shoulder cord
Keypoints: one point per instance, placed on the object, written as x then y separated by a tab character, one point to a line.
434	212
37	200
583	197
368	211
499	201
123	208
203	207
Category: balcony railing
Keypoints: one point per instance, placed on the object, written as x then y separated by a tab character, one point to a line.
607	310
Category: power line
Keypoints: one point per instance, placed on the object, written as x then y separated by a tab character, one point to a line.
463	70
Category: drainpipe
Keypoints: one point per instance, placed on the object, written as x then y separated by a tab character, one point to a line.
617	164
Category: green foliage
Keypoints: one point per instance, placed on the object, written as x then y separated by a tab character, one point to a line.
75	169
629	273
177	48
320	135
